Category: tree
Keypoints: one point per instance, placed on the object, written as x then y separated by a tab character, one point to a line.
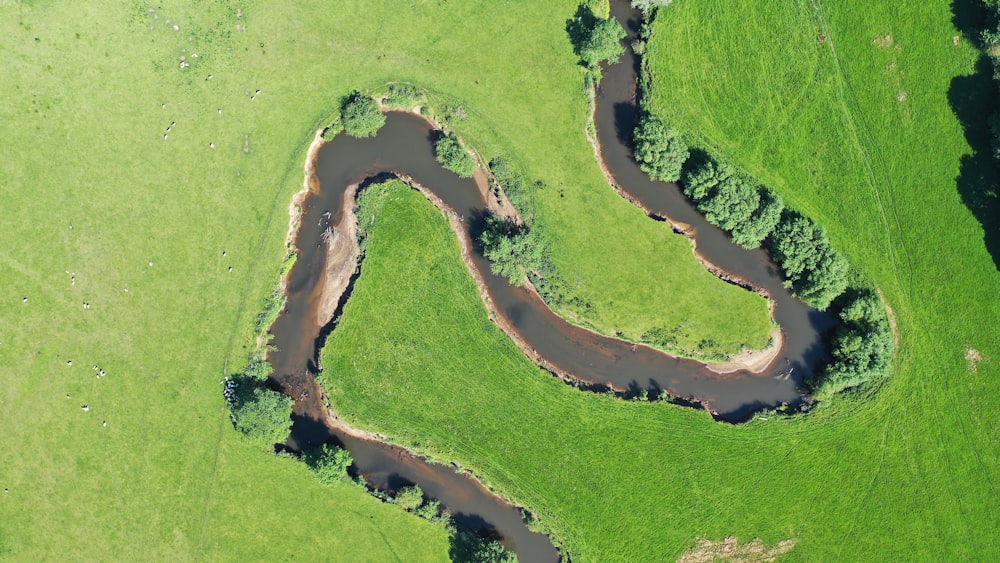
659	149
731	202
361	116
467	547
701	181
329	462
262	415
450	153
862	346
602	43
816	272
763	221
513	252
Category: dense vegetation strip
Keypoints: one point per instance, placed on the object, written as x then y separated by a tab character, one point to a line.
751	213
870	122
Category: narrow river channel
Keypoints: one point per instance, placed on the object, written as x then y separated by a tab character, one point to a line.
404	146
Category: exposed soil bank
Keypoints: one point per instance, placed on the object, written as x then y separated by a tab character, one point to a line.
317	287
325	232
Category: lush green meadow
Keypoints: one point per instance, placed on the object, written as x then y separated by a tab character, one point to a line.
908	471
134	155
91	186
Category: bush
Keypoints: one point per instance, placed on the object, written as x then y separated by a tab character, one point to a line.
409	498
816	272
602	42
514	184
659	149
862	346
429	511
257	368
467	547
403	96
262	415
331	130
361	116
329	462
513	252
450	153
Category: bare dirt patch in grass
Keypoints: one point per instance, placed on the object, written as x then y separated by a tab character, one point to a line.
972	359
730	549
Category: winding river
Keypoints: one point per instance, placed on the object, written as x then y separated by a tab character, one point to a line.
404	147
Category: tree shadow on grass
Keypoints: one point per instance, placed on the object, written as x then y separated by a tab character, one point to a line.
973	99
579	27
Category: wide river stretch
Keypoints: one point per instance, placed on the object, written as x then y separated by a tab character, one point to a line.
404	147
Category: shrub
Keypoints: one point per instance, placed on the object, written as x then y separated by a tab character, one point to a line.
409	498
272	308
514	184
430	510
257	368
862	345
467	547
513	252
331	130
361	116
659	149
262	415
450	153
816	272
403	96
329	462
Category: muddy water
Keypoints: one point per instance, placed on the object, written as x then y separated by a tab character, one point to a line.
404	145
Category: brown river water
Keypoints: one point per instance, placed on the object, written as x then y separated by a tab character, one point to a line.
404	146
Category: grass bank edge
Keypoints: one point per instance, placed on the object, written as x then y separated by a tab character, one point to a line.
863	344
445	113
262	416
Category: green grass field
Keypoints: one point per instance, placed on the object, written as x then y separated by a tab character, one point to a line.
115	157
91	186
905	473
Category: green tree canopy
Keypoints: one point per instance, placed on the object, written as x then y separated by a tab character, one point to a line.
659	149
732	202
329	462
262	415
410	498
602	43
816	272
862	346
513	252
467	547
361	116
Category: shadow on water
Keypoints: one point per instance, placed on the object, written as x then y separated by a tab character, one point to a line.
404	147
973	99
626	118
